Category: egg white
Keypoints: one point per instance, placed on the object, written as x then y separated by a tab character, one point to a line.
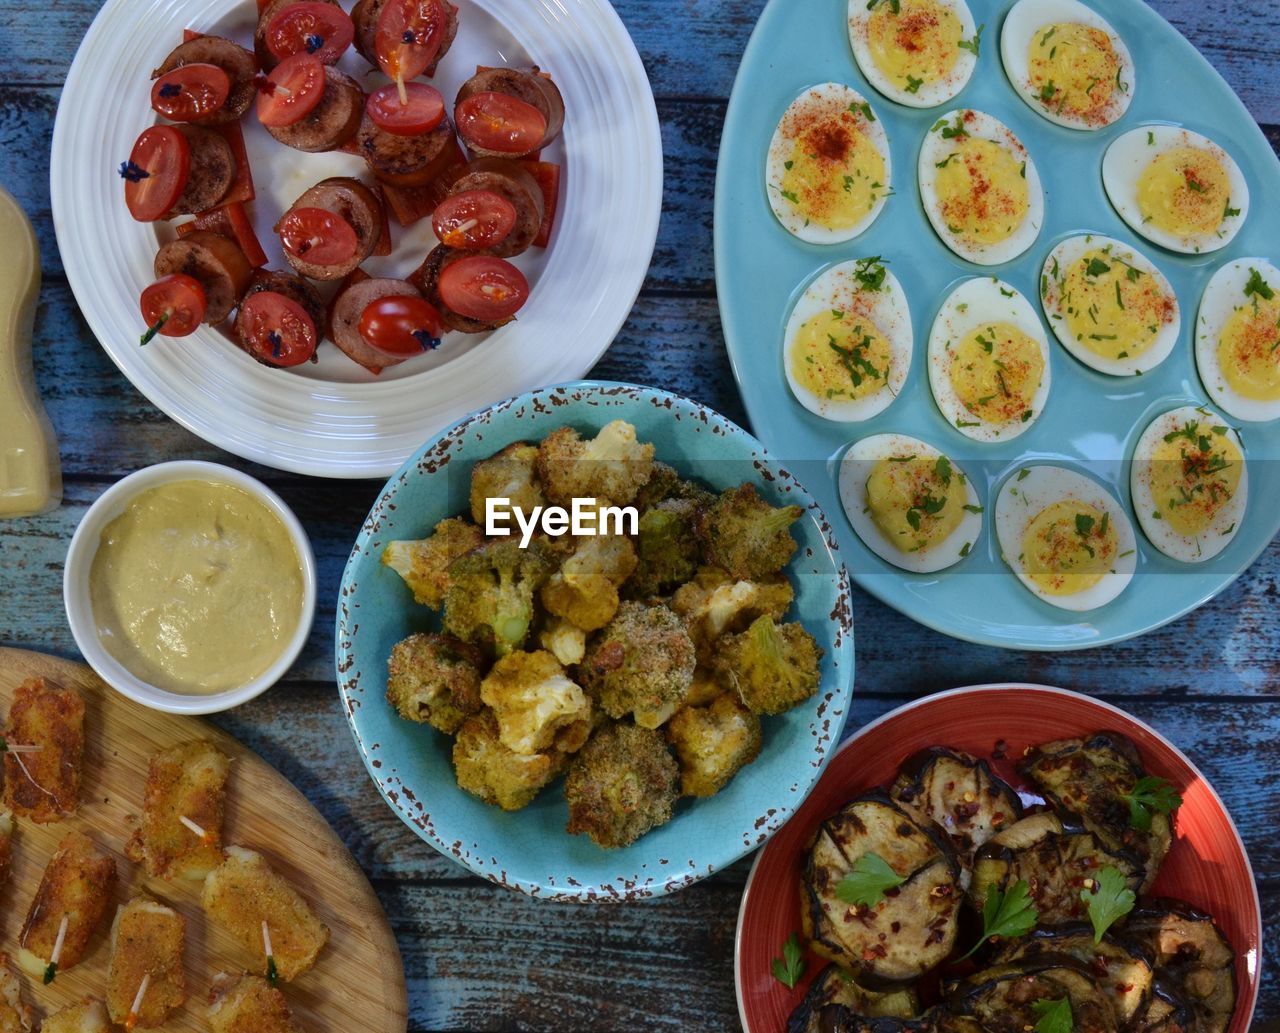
780	148
1132	152
1062	258
1025	21
978	302
1021	499
936	148
887	308
930	94
1223	294
856	467
1225	523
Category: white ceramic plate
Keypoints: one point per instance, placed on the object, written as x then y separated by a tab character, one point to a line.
332	418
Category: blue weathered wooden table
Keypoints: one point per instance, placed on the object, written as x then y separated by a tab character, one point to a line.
478	957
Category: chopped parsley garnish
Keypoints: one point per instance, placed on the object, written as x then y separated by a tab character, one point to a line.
1047	91
1006	914
973	45
1258	286
867	882
788	969
864	109
950	132
943	469
894	5
1109	900
1096	267
1151	795
870	272
1055	1016
914	84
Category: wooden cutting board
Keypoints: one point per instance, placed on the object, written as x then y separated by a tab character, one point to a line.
358	983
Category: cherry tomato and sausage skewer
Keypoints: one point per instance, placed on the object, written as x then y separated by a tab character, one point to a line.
381	322
317	27
508	112
473	292
404	38
331	228
199	279
491	205
281	320
397	156
308	105
177	170
204	52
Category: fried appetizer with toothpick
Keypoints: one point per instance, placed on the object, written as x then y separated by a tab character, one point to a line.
265	914
249	1004
181	832
6	845
74	894
43	783
15	1017
87	1016
146	982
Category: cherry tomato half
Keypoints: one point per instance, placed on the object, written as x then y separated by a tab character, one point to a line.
318	235
408	37
309	27
190	93
156	173
483	287
401	325
500	122
276	329
421	111
292	90
474	220
173	306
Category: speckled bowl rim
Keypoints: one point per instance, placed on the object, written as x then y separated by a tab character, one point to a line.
826	731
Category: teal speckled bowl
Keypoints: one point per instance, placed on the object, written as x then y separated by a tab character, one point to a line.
529	849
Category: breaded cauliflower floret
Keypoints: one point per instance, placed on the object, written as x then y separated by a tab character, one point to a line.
746	536
641	664
584	590
490	601
434	679
771	667
424	564
667	547
714	604
713	743
497	775
566	641
510	474
704	689
536	704
623	783
665	483
612	467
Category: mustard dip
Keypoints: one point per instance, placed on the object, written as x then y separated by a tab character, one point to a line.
196	587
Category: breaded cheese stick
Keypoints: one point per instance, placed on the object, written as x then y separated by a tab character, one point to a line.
74	894
44	785
88	1016
264	913
15	1017
146	982
249	1004
183	810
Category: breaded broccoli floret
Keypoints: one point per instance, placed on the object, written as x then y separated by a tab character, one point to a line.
667	546
665	483
746	536
497	775
620	785
713	743
434	679
772	667
584	590
510	474
704	689
424	564
536	704
490	597
641	664
713	604
612	467
567	642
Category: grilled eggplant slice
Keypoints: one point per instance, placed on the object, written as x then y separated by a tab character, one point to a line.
1090	778
1053	859
1001	999
1123	973
834	989
913	928
1167	1012
835	1018
1192	956
960	794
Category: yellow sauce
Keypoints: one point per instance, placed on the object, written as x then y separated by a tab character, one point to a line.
196	587
982	190
1112	308
1195	471
1185	191
996	371
840	356
917	45
1249	350
1068	546
834	174
1074	70
915	502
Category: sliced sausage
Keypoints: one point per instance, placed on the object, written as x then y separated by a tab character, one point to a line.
509	180
530	86
213	170
266	59
295	288
334	120
347	310
405	161
233	59
358	206
365	17
216	262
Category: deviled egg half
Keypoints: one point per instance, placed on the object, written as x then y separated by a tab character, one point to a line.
1189	483
848	343
1108	305
1238	339
1067	62
910	504
1065	537
980	188
1175	187
828	171
988	361
916	52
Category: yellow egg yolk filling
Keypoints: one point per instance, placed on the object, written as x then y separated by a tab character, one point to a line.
1195	471
840	356
917	44
1249	350
1113	308
1068	546
996	371
1074	70
835	174
982	191
1185	191
916	502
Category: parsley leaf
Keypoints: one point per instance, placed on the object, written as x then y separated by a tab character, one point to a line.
870	272
894	5
1096	267
866	883
1108	901
788	969
1055	1016
913	84
1151	795
973	45
1257	285
1006	914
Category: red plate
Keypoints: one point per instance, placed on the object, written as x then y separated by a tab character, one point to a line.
1206	867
